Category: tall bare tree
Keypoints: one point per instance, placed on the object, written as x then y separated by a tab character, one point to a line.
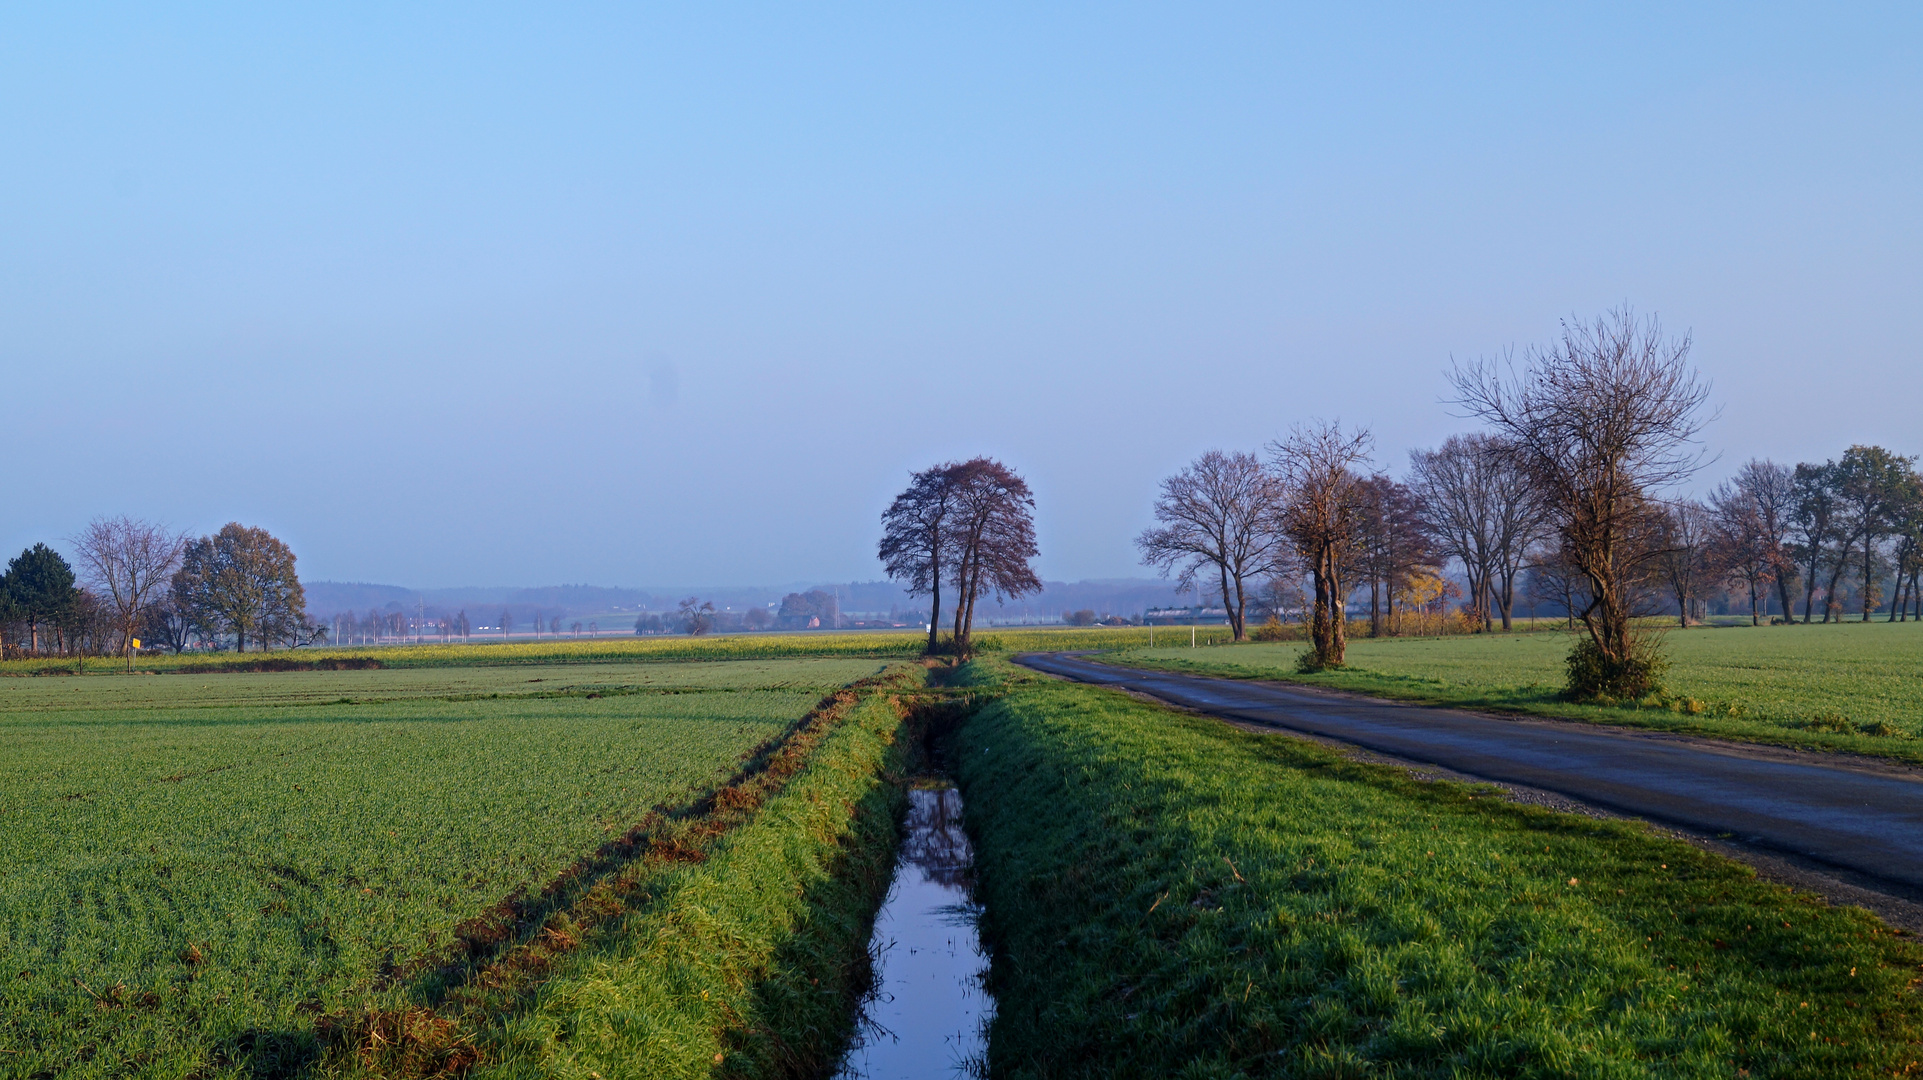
1739	545
1456	485
915	537
1483	511
1219	516
129	563
1600	422
1683	553
1394	547
1771	490
1319	463
993	539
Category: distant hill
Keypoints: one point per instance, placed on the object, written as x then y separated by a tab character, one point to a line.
1117	596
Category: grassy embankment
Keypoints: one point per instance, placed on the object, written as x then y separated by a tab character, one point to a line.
1168	896
220	877
1854	687
827	643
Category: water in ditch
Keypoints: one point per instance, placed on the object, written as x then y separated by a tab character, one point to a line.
929	1013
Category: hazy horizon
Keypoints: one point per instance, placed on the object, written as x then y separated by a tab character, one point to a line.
456	294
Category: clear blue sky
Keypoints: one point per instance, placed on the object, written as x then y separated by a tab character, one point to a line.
461	295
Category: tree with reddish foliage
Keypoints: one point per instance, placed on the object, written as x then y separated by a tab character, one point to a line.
993	542
969	525
915	537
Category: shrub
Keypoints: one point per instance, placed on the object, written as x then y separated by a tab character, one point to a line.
1273	630
1308	663
1596	677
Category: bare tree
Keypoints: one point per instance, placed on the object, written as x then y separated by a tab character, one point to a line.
1483	511
1771	490
1554	579
992	541
695	616
1740	544
1219	516
1601	421
165	622
1394	547
1683	557
1323	517
915	537
128	563
1456	489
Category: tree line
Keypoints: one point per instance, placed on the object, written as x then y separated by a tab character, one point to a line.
139	581
1567	495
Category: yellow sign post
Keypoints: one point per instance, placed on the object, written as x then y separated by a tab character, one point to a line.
130	655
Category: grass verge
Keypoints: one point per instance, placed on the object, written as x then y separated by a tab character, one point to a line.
1169	896
725	941
1855	688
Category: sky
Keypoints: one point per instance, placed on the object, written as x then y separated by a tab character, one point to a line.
650	295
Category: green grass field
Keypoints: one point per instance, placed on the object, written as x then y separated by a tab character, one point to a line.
193	869
1855	687
1167	896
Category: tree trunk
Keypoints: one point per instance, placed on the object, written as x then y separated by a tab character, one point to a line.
1228	605
1809	587
1869	576
1327	630
1896	582
1782	596
1830	606
934	613
1338	609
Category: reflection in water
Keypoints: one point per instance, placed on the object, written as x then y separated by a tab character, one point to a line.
929	1013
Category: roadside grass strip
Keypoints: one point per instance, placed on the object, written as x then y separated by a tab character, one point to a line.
724	941
1855	687
1169	896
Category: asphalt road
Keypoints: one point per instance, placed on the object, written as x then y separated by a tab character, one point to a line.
1857	816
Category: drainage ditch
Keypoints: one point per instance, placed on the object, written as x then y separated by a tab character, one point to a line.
928	1013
